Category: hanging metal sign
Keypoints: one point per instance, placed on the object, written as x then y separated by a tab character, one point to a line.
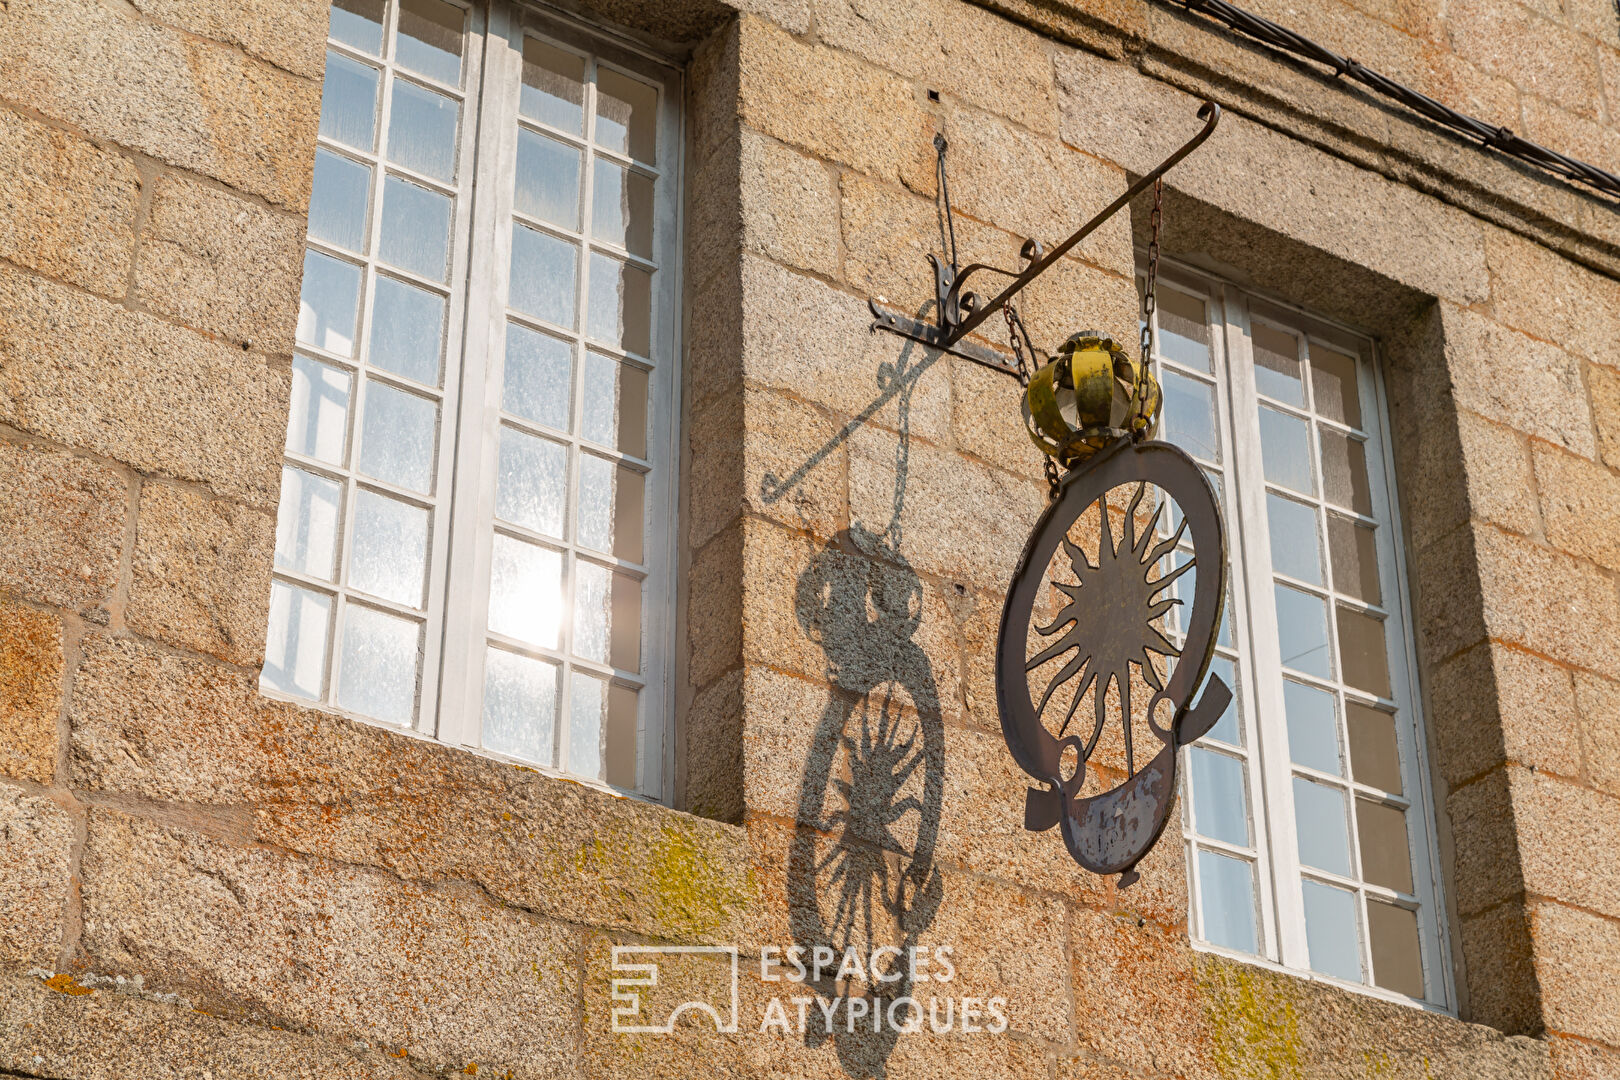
1077	629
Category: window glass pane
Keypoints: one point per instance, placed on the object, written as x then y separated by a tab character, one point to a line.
1362	653
328	304
622	208
1295	547
615	405
1354	555
1331	933
407	331
349	102
307	523
525	591
538	381
626	115
338	201
318	420
397	437
295	648
520	706
1226	892
620	305
1344	472
1183	329
531	486
1189	416
1276	365
1396	954
379	663
1313	734
622	735
415	229
1302	630
430	40
1285	451
388	554
358	24
610	508
422	127
1226	729
543	272
586	703
547	180
1333	384
1386	854
1220	802
1324	837
607	617
553	86
1375	756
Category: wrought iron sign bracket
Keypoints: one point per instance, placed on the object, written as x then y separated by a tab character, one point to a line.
958	313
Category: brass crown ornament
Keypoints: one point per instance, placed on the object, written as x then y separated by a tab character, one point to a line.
1087	396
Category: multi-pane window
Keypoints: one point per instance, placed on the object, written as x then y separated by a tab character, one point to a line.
1306	815
475	527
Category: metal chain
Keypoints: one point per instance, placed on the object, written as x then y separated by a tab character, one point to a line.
1150	295
1017	336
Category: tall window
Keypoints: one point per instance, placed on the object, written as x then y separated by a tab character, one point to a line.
475	533
1307	816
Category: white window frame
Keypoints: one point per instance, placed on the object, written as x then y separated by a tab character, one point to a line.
1280	931
450	688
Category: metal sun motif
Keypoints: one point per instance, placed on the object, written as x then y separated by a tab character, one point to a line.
1110	618
1107	627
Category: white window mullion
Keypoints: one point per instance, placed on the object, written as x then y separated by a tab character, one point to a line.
1265	651
477	429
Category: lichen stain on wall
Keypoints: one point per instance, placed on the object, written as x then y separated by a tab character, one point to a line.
1254	1027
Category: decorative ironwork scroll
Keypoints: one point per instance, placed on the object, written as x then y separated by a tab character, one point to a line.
1107	633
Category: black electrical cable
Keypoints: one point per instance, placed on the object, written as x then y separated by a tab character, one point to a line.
1496	138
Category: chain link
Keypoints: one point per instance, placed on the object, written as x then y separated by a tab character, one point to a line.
1017	337
1150	294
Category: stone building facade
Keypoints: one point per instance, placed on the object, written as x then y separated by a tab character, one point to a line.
198	878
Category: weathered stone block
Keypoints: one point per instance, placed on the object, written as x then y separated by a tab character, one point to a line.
62	520
1577	136
714	609
1137	996
1551	298
834	359
833	105
1576	1060
789	205
1565	834
139	390
1487	866
1580	504
289	35
222	264
375	958
1598	703
181	730
36	840
1500	488
986	420
1604	385
712	733
956	49
1501	968
113	1036
192	103
1516	578
1578	965
957	519
1491	705
68	209
30	692
768	454
202	573
1037	187
1537	54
